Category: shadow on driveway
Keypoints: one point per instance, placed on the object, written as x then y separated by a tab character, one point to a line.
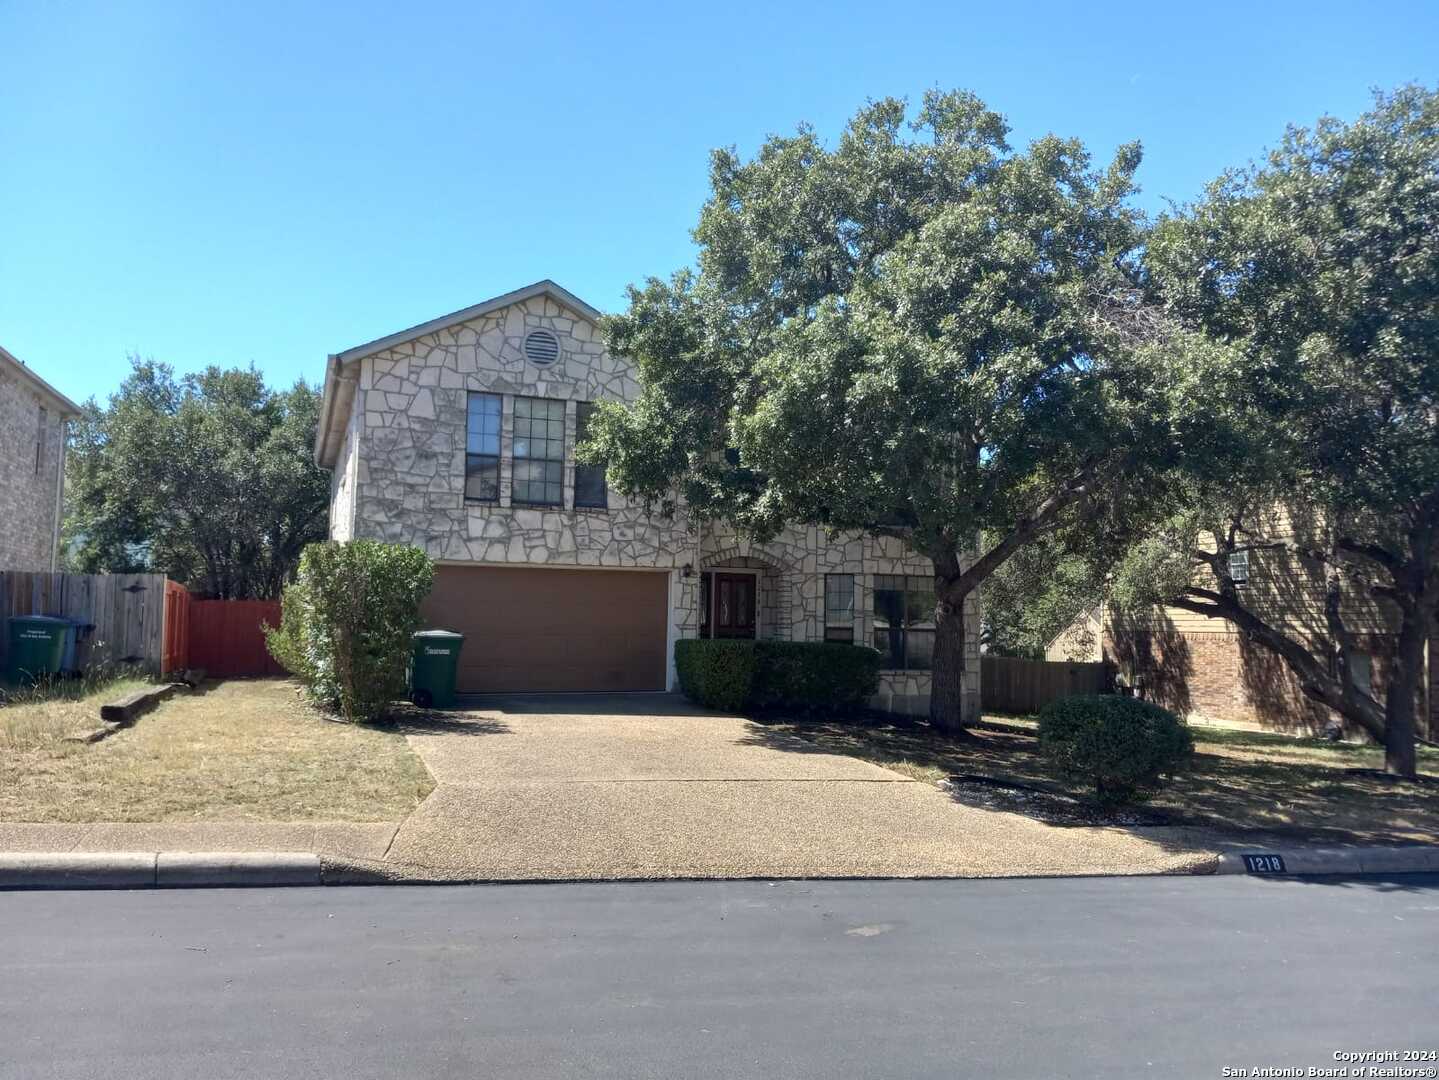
637	704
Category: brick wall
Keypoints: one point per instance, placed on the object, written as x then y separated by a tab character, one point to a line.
1224	677
27	484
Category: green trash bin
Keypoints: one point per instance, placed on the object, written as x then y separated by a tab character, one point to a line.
434	663
37	647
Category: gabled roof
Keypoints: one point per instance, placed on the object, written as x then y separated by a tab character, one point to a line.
339	389
62	404
563	297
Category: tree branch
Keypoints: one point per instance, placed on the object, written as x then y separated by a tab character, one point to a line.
1315	678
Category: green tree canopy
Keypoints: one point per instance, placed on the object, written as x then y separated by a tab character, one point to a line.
1037	594
1319	272
207	478
922	333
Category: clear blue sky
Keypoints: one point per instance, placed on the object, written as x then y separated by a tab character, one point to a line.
208	182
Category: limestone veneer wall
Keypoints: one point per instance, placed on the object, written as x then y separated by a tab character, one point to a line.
406	453
791	597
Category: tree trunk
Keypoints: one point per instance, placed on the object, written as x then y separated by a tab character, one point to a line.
1408	666
946	696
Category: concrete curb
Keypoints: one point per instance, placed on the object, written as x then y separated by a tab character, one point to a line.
1413	859
265	869
156	869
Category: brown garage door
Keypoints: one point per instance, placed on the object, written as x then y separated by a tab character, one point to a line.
554	629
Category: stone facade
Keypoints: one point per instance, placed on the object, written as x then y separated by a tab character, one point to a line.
792	569
33	420
399	461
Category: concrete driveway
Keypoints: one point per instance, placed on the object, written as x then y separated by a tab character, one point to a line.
647	786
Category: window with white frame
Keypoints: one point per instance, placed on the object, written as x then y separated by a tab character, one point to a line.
839	607
1239	567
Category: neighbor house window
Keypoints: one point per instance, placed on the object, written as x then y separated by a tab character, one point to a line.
839	607
539	465
590	487
1239	567
1361	672
904	621
41	423
482	448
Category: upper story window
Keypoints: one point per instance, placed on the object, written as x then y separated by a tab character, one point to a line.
590	489
42	422
839	607
482	448
1239	567
539	464
904	621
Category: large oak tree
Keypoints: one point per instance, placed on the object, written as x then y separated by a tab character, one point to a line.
208	478
922	333
1318	270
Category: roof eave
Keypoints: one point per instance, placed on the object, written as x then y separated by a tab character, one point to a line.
336	403
67	408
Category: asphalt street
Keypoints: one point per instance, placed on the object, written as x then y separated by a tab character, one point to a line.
1114	977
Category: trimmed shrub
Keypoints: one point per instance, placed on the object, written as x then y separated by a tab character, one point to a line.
814	675
346	622
1121	746
819	675
716	674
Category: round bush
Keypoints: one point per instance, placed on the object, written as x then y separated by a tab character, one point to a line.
1121	746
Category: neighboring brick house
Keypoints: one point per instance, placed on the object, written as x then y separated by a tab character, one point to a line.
458	436
33	419
1204	668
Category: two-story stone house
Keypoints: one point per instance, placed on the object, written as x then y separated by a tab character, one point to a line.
458	436
33	418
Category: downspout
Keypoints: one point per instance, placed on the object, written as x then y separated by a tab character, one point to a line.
334	377
352	492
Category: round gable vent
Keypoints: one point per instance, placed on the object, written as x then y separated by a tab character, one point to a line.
541	347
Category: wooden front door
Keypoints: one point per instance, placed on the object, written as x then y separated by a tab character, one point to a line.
734	596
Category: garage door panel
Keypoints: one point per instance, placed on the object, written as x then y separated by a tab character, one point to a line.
554	630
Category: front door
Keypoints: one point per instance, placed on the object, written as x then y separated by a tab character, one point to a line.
734	605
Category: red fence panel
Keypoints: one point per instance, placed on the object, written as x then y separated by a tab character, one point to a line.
175	654
227	637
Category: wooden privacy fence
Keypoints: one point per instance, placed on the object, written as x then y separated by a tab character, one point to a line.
1026	686
175	656
227	637
121	616
146	620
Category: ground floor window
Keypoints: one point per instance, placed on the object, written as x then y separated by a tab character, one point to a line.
839	607
904	621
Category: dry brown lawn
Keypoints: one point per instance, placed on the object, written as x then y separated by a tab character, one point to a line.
250	750
40	717
1239	781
